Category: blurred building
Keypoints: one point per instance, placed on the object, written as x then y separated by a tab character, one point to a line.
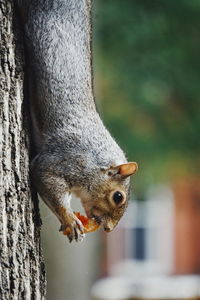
187	226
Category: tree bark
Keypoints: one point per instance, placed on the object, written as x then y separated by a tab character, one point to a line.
22	274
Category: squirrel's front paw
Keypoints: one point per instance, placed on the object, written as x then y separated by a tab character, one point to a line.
73	228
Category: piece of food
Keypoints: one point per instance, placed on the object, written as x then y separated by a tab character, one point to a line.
89	225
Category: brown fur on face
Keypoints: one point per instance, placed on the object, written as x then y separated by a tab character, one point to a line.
98	203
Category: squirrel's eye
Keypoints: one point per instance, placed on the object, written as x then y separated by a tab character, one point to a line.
118	197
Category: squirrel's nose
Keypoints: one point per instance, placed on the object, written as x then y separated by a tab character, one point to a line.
107	229
109	225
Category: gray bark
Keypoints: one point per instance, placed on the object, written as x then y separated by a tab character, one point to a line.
22	274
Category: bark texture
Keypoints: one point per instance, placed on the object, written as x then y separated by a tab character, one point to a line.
22	274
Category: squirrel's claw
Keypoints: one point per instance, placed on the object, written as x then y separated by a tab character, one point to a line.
74	230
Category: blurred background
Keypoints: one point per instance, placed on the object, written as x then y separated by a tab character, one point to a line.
146	78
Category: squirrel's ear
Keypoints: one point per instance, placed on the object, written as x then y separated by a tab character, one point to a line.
128	169
124	170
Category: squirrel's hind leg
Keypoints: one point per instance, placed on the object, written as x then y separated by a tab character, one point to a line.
54	191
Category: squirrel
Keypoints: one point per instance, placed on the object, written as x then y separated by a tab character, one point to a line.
75	152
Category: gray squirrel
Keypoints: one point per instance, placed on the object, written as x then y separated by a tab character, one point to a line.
75	152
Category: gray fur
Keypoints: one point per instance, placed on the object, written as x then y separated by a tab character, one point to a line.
74	147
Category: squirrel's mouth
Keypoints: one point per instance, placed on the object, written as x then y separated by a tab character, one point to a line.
89	224
101	218
97	219
100	221
94	213
104	221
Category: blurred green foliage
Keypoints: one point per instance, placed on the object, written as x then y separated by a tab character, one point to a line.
147	77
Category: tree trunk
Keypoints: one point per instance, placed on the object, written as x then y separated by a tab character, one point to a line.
22	274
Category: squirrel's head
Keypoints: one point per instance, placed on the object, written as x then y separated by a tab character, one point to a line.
107	199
